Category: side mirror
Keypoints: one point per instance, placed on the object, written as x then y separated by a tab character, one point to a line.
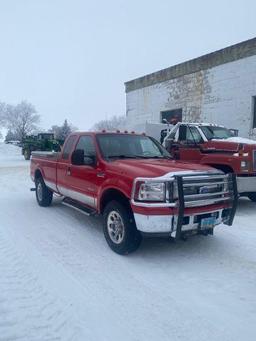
77	157
168	144
234	132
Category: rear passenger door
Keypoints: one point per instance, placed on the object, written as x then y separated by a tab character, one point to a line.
64	164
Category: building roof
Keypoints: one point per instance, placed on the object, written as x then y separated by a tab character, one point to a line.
229	54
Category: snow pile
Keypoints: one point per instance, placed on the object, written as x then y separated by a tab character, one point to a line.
10	155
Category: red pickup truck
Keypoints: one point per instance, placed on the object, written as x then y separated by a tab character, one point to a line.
215	145
133	182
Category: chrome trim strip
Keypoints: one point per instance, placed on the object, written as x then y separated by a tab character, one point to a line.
148	204
207	176
198	203
203	195
81	197
205	183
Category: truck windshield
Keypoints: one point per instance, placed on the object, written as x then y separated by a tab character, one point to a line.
212	132
130	146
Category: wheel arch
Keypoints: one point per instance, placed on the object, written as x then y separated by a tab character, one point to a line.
38	174
113	194
223	167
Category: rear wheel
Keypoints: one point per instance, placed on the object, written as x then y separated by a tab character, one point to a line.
43	194
120	229
252	196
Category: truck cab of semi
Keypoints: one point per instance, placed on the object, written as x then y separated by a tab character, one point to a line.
216	146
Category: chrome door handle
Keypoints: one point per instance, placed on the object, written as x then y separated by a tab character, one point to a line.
101	174
68	171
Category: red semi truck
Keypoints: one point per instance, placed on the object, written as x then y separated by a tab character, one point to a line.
139	189
216	146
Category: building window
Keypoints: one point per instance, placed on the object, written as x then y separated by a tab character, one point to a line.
171	116
254	112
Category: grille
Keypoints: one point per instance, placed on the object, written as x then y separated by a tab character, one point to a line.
203	190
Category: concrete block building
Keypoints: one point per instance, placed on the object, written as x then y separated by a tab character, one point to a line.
219	87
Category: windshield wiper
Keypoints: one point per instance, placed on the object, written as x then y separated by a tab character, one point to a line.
154	156
160	157
122	156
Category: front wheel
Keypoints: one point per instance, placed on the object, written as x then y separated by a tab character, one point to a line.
252	196
120	229
43	194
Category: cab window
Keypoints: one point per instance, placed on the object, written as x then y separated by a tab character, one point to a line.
68	147
86	144
193	135
189	135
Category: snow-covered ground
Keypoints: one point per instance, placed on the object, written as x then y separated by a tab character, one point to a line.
60	281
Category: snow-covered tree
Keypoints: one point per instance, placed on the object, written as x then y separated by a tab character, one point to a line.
2	114
20	119
113	123
10	136
61	132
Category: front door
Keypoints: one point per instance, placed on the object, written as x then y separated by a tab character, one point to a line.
82	180
188	144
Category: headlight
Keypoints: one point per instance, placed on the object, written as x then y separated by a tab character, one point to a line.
244	165
151	191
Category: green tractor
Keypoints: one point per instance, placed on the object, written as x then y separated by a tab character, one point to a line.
40	142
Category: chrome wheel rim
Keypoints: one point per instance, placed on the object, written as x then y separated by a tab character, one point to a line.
115	227
40	191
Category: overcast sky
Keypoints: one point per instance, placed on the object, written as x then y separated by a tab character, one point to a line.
71	58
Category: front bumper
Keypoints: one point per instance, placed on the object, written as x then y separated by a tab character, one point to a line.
182	219
246	184
169	223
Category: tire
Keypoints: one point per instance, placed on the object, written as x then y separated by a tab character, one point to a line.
43	194
27	154
252	196
120	229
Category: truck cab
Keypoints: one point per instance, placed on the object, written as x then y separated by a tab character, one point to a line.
216	146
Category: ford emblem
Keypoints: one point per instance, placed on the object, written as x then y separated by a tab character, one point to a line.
204	190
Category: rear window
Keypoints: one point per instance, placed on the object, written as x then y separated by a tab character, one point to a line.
68	147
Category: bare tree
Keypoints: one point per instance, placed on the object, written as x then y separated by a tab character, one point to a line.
114	123
20	119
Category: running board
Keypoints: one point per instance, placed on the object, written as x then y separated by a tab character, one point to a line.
78	207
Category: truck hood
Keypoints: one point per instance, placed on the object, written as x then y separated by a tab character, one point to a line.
151	168
231	144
